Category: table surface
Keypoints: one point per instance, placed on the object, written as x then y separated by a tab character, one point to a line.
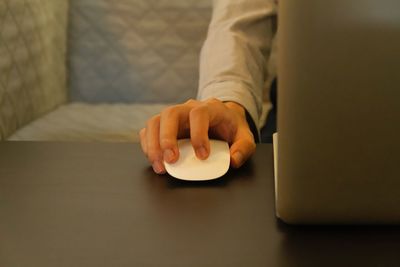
99	204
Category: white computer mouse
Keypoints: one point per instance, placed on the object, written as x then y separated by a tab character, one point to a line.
190	168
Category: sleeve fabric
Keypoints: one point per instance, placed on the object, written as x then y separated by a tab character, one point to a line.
235	61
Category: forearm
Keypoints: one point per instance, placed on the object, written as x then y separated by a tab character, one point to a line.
234	56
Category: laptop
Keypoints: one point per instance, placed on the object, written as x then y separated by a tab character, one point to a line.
338	159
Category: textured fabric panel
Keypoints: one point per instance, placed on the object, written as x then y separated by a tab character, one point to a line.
86	122
137	51
32	60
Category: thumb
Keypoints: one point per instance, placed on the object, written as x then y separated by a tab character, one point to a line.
241	150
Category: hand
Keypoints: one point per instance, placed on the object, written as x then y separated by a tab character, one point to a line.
199	120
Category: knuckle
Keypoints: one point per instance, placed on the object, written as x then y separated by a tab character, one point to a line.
199	110
166	143
213	101
198	142
170	111
191	102
199	136
153	120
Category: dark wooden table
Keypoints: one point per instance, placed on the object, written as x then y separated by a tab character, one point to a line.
99	204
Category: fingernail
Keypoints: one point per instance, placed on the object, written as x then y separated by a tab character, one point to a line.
158	167
202	153
169	155
238	158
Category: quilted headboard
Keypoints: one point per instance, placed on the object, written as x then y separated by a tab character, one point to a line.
142	51
32	60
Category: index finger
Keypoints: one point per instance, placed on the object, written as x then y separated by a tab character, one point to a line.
174	120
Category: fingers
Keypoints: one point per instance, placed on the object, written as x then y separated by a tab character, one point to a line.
222	124
242	148
176	122
199	124
152	145
205	115
169	127
224	121
228	124
173	121
159	139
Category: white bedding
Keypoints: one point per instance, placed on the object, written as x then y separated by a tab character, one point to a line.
90	122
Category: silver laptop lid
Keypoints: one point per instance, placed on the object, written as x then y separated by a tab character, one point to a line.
339	111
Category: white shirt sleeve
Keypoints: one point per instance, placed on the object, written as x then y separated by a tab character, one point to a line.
235	58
